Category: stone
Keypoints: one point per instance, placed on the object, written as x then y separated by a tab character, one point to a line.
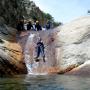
73	43
11	59
82	70
11	55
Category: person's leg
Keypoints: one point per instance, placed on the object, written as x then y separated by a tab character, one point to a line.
38	52
44	58
43	54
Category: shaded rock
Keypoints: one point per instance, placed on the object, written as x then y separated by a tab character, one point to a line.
11	56
7	33
1	41
2	20
11	59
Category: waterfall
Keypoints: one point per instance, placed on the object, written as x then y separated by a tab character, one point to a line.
32	66
27	55
41	67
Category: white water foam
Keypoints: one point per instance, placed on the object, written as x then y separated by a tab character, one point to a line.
27	55
31	65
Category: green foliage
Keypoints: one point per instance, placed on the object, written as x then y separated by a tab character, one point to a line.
11	10
55	24
49	17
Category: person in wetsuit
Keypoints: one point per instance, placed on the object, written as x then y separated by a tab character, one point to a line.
40	49
38	26
29	25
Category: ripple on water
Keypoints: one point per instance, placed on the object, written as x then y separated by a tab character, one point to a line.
45	82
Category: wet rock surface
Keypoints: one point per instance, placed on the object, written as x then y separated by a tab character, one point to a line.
28	42
11	57
66	47
11	62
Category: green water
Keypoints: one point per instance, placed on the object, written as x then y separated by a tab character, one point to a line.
48	82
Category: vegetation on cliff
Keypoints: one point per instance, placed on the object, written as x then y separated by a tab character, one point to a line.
11	10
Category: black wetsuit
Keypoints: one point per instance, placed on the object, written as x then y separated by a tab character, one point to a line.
38	27
29	26
40	50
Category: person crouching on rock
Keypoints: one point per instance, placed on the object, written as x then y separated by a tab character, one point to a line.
40	50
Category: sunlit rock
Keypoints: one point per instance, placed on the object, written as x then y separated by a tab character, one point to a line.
82	70
73	43
66	47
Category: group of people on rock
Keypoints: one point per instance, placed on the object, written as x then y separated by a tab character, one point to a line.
36	26
21	26
28	26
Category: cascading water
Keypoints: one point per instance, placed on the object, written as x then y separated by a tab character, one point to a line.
32	66
27	55
41	67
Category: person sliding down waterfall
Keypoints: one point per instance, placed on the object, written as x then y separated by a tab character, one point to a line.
40	50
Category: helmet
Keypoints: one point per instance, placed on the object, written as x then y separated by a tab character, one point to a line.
37	21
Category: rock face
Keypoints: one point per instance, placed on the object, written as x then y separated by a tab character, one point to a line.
10	12
28	43
10	61
73	43
67	46
11	56
82	70
7	33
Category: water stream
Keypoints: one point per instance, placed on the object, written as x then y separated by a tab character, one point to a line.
40	67
29	54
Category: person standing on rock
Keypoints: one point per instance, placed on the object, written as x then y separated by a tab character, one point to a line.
29	26
38	26
48	25
20	28
20	24
40	50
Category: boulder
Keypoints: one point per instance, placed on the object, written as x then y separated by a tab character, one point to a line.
11	55
73	43
82	70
